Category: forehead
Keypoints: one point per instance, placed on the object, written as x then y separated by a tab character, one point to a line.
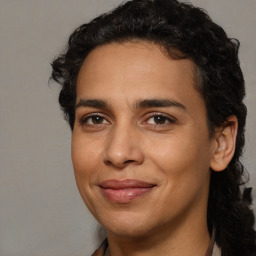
135	70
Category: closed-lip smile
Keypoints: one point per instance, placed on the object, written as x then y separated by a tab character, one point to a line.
123	191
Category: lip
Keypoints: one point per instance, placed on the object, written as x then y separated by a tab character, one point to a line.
124	191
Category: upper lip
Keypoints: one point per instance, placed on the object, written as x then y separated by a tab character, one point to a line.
124	184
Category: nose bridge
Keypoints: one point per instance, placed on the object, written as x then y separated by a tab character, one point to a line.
122	146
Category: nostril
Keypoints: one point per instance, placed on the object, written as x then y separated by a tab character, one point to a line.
121	164
128	162
108	162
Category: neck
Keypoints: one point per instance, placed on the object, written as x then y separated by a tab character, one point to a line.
190	238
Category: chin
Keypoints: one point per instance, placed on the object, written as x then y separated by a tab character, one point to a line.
126	224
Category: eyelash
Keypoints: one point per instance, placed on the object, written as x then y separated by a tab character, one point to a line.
83	121
171	120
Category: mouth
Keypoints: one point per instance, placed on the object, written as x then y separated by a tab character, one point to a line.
124	191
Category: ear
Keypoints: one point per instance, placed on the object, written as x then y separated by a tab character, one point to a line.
225	138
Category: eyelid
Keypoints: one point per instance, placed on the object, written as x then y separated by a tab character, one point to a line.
170	118
85	117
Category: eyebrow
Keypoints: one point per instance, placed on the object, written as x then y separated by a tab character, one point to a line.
162	103
146	103
93	103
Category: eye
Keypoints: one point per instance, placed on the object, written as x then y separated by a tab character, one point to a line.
160	119
93	120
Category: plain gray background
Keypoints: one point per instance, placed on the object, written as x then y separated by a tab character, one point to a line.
41	213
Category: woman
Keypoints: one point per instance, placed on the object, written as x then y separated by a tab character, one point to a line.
153	93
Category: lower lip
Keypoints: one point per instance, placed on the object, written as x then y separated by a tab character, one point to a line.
124	195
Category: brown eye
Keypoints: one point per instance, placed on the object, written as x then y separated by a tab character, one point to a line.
94	120
159	120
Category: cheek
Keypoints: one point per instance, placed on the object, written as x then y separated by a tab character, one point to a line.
182	158
185	176
173	152
85	156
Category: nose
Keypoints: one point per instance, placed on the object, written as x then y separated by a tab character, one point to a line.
123	148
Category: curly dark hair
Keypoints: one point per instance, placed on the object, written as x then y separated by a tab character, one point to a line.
184	31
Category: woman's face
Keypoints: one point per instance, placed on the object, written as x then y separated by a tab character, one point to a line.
140	147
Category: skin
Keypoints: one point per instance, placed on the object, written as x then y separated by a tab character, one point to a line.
122	140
